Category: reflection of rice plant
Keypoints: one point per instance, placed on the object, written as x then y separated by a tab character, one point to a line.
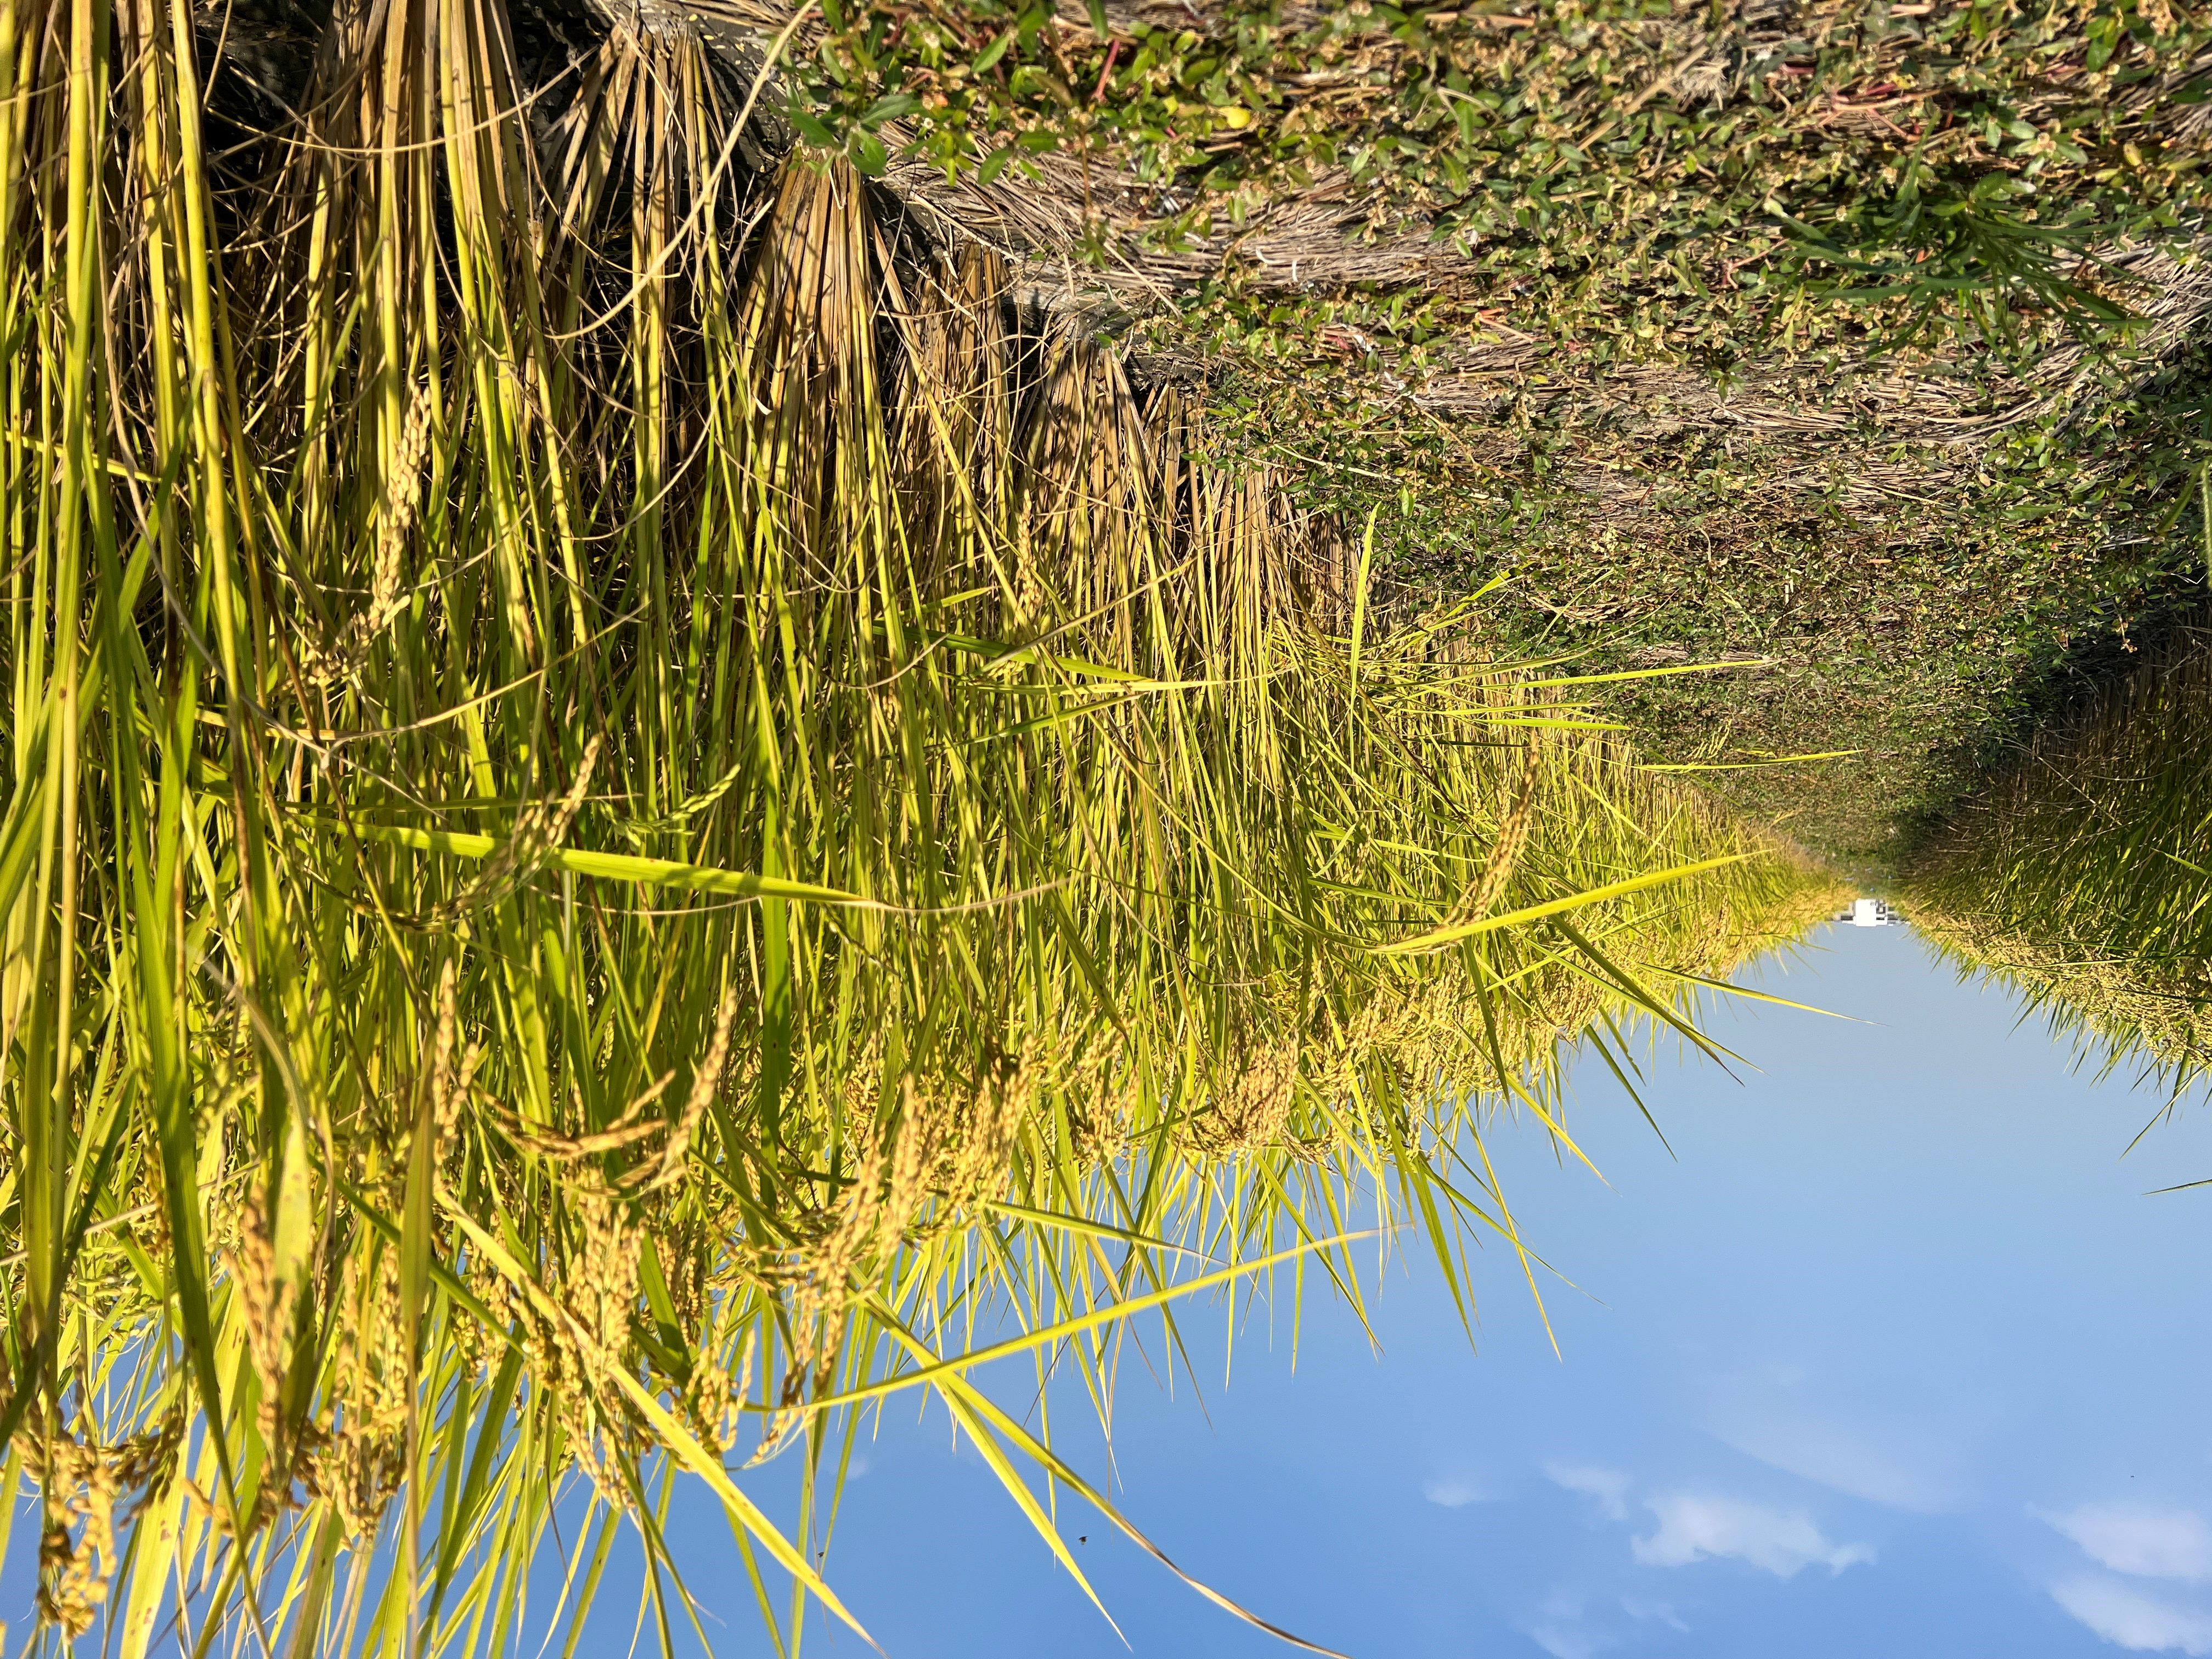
629	814
1943	251
2082	876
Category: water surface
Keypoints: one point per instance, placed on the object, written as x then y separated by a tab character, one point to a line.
1893	1355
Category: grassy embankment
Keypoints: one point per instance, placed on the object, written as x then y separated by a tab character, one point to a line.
1786	331
628	813
2079	876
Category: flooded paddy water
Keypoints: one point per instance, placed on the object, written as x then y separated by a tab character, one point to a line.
1892	1354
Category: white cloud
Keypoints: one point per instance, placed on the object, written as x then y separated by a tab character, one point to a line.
2125	1615
1779	1541
2149	1543
1566	1627
1562	1630
1608	1486
1836	1456
1569	1642
1453	1492
1660	1613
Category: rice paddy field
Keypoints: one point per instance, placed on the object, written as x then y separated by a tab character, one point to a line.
715	714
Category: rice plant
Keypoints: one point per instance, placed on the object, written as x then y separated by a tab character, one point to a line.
2080	876
638	813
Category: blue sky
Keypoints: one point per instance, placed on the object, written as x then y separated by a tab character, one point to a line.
1894	1356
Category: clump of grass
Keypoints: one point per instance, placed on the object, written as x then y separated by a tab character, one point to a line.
632	809
2080	876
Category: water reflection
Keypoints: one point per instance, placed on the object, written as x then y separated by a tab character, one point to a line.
619	989
2083	876
1893	1356
717	822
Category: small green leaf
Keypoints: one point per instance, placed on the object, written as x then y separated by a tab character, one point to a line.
812	129
890	108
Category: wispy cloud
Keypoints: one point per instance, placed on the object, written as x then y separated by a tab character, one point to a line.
1453	1492
1819	1450
1562	1630
1660	1613
2131	1617
1569	1641
2146	1542
1781	1542
1570	1625
1608	1486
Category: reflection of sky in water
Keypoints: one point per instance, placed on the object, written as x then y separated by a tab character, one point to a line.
1896	1360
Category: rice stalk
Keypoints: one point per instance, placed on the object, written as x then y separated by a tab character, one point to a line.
637	816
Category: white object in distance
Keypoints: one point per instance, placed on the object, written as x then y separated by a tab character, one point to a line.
1869	913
